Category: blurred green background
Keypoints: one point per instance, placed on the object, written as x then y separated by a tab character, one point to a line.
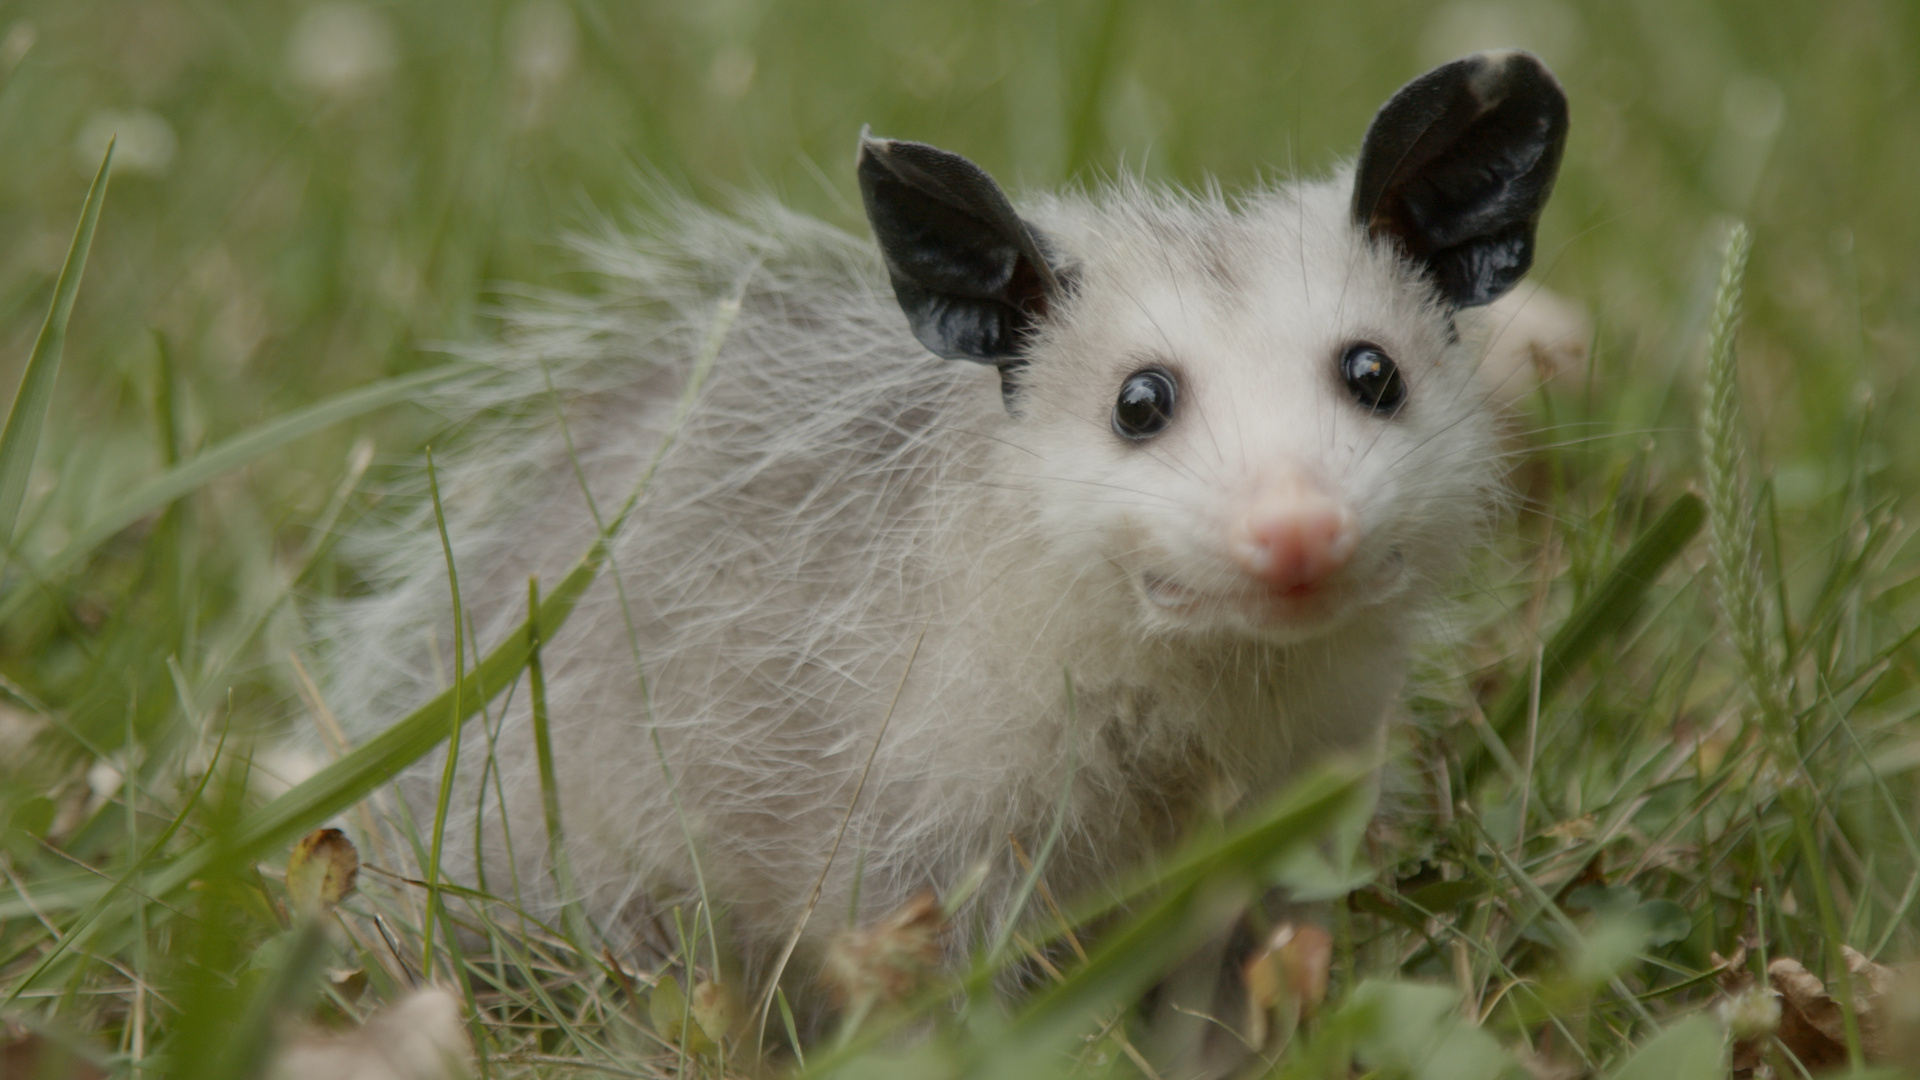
311	196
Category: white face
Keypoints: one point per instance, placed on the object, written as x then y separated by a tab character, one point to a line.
1257	420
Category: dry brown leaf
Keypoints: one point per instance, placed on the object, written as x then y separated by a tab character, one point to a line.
1889	1005
1288	973
716	1008
1811	1027
1811	1024
1730	972
887	961
1579	828
321	870
419	1037
349	983
1879	979
671	1013
1897	1018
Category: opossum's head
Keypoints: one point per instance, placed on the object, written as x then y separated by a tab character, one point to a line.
1260	416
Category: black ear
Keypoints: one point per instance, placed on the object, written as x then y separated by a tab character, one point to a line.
968	272
1457	167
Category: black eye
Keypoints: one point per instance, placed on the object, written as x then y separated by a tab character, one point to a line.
1145	405
1373	378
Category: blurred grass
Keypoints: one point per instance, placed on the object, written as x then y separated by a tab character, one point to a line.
311	198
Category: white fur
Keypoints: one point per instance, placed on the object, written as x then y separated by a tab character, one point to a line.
838	492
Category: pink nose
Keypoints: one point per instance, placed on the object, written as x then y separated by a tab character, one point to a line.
1294	536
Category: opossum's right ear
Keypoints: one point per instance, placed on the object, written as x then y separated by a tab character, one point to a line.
1457	167
970	274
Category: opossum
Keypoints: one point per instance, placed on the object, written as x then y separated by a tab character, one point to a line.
1079	520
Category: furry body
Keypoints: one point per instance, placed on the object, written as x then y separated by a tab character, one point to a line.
1088	651
839	492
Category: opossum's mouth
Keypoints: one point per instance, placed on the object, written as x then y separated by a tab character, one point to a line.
1306	608
1304	605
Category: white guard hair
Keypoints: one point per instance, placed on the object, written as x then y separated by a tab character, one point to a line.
838	492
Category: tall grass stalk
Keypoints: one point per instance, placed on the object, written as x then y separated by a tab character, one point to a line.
458	721
20	441
1741	599
1730	521
573	918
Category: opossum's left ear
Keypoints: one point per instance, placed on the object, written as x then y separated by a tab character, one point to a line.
1457	167
968	272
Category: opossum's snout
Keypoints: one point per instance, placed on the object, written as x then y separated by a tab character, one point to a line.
1294	534
1281	559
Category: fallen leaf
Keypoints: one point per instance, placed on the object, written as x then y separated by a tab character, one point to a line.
1813	1027
1578	828
667	1007
321	870
1730	972
1810	1024
349	983
716	1008
1287	974
887	961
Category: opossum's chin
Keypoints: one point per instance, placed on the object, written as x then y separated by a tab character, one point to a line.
1272	615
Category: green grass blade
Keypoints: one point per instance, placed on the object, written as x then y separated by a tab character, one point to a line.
242	449
1180	902
458	721
573	918
250	1044
1693	1049
1125	966
1206	889
353	777
100	891
348	780
1606	611
21	438
379	759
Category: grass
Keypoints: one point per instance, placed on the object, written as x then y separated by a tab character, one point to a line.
1636	751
